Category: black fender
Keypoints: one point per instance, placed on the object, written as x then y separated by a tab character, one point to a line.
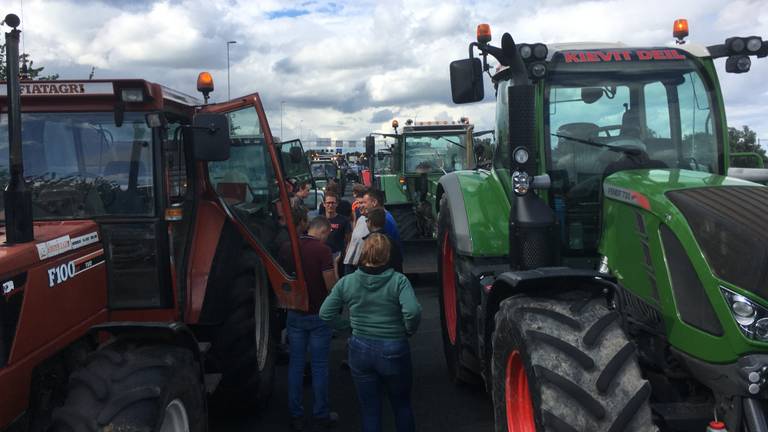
450	187
542	282
173	333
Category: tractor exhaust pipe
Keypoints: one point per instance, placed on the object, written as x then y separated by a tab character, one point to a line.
16	196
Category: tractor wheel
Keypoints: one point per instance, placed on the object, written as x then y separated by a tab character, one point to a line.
448	265
407	224
245	345
135	388
565	366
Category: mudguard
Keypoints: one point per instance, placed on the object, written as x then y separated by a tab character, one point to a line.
479	212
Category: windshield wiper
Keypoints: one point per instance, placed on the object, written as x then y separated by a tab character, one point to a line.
613	148
454	143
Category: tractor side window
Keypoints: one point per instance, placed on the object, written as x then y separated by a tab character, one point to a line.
699	143
246	184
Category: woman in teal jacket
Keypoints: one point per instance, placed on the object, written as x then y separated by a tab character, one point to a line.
383	312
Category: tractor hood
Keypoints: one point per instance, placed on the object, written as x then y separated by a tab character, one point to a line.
725	217
51	239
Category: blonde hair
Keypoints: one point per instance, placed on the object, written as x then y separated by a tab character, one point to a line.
375	250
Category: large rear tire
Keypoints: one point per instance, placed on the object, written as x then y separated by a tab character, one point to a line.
565	366
245	345
451	289
125	387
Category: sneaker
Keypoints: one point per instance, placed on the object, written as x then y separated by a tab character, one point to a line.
297	424
326	423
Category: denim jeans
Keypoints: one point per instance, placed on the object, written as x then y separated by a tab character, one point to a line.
308	331
377	365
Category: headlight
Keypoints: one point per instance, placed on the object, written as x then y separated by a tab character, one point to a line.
525	51
521	155
751	317
754	44
521	182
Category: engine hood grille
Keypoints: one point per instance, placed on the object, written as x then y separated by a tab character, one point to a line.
730	224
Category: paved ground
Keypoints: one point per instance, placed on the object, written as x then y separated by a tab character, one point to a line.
439	405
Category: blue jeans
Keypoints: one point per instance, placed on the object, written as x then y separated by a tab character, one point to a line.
377	365
308	331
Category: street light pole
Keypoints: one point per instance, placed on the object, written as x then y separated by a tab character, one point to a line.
300	124
229	96
282	104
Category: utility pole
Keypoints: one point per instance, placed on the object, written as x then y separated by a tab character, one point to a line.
229	96
282	104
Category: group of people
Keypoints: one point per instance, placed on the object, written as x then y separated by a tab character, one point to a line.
351	257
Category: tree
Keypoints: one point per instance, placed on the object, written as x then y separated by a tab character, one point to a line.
27	67
745	140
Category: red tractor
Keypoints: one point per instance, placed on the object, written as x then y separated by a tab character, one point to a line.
148	248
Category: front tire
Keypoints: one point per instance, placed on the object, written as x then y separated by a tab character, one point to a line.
565	366
245	345
126	387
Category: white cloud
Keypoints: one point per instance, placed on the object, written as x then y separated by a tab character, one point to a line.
335	65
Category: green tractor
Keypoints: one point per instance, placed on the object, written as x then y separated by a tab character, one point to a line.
605	274
411	168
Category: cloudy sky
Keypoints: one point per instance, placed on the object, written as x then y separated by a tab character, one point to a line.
341	69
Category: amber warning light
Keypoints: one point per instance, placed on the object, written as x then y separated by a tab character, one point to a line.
205	84
680	29
483	34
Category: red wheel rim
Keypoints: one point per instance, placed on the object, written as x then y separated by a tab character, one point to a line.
518	396
449	289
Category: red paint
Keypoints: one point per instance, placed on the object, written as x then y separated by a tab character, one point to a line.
601	56
449	289
517	396
641	200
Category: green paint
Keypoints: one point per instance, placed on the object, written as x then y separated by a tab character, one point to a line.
621	244
394	192
487	212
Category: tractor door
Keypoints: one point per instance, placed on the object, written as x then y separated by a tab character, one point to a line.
252	187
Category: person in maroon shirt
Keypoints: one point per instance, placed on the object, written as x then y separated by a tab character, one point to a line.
307	330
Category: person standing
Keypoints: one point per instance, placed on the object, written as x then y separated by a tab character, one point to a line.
376	220
375	198
358	192
341	230
302	192
355	246
307	330
383	313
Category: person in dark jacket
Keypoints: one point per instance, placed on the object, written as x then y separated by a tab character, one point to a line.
307	330
383	313
376	220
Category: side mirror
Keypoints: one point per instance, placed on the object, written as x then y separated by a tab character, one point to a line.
467	80
210	137
591	95
296	155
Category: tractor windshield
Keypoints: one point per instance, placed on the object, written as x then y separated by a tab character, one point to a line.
612	116
663	109
425	153
323	170
82	165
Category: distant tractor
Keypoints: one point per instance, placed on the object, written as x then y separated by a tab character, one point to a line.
410	169
148	244
605	274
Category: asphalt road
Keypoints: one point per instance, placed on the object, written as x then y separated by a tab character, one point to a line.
439	405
